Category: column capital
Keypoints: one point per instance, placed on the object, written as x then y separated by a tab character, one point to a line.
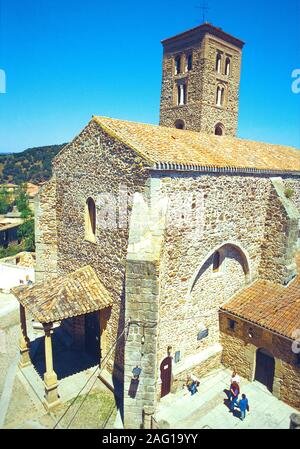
48	328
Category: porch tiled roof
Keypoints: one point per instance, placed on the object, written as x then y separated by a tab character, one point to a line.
77	293
269	305
159	144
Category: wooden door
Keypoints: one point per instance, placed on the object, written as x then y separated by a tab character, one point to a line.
166	376
265	368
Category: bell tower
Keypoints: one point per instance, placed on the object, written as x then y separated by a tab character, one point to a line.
201	80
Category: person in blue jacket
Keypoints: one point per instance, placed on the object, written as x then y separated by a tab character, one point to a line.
243	406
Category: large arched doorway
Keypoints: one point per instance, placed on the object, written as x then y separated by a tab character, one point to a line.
166	376
265	368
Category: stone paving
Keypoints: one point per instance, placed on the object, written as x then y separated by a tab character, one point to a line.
206	409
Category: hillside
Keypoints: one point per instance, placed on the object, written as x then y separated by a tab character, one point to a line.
32	165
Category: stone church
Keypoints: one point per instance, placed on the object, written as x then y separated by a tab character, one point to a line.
173	249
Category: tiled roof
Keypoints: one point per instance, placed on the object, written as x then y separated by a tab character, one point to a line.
269	305
158	144
206	27
75	294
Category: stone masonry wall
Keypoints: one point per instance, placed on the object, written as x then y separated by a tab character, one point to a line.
191	293
234	216
239	352
279	245
93	164
200	112
46	231
142	291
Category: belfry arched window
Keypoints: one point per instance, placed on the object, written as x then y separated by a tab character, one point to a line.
90	219
220	96
218	62
177	65
227	66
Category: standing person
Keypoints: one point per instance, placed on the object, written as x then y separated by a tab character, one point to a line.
234	395
243	406
235	377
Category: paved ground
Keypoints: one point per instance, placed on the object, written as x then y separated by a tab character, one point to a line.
208	409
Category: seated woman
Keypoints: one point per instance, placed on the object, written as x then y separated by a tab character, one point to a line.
192	383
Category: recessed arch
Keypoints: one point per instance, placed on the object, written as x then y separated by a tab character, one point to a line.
220	248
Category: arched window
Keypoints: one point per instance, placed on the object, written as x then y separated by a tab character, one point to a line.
218	62
220	96
216	261
227	67
90	220
219	129
189	62
180	124
177	65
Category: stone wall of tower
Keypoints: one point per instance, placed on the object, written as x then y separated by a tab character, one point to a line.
200	113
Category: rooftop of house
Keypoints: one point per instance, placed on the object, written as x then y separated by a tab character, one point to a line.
74	294
9	223
160	145
32	189
22	259
269	305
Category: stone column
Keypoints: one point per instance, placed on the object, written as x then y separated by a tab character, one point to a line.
24	341
295	421
50	377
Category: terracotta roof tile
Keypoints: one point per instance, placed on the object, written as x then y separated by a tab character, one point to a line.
158	144
272	306
75	294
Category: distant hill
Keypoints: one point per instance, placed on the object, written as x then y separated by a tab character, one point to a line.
32	165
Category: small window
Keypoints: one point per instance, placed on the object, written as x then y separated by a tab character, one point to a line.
90	220
177	65
227	67
231	324
177	357
180	124
219	130
202	334
218	63
189	62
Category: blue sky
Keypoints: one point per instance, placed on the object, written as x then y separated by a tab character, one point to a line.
66	60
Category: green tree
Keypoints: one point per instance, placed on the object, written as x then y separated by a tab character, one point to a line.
4	201
22	202
26	234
